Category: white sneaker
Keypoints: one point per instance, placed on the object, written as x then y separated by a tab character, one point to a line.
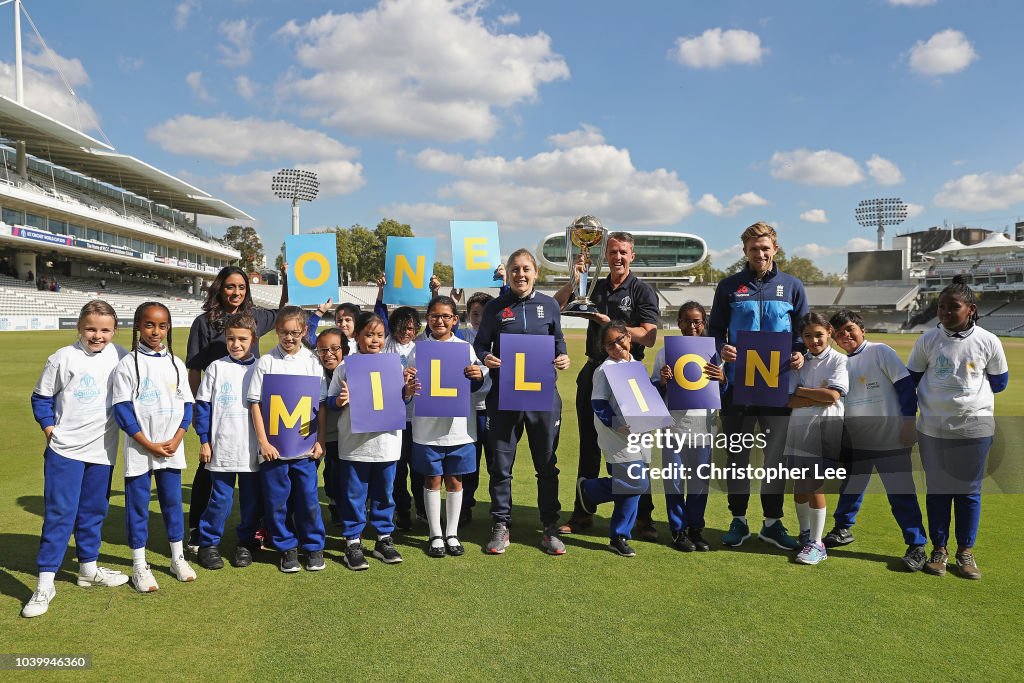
143	579
182	571
103	577
39	603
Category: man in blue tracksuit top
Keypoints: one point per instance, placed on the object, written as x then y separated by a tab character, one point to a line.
758	297
521	310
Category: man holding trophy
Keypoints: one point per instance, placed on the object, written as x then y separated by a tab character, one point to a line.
619	296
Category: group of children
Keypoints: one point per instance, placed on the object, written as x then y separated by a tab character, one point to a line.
92	389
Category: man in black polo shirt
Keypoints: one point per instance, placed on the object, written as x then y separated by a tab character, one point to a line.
620	296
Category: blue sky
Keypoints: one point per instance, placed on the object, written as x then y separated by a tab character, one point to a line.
691	116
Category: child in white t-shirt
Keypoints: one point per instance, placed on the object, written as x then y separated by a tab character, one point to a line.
153	406
71	402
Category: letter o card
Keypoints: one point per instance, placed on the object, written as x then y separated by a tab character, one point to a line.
689	386
375	392
527	377
290	405
762	368
440	368
313	268
641	404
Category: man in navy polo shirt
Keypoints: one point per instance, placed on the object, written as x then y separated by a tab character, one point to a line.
759	297
620	296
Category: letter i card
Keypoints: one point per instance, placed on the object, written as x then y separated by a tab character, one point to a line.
641	404
527	377
375	386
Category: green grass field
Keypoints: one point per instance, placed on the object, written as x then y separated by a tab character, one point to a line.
743	614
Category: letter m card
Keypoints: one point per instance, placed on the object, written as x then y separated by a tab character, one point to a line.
641	404
375	392
475	253
290	405
762	368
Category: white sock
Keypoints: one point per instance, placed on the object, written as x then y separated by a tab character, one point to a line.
452	508
177	551
803	516
742	519
138	556
87	568
353	541
46	581
432	503
817	524
768	521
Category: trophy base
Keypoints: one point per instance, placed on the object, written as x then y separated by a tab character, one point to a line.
581	309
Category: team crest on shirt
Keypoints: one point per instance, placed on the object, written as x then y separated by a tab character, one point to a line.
87	391
943	366
626	304
742	290
149	393
507	314
226	395
540	311
779	291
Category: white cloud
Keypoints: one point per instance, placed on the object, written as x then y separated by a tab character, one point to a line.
816	251
726	256
195	81
912	3
236	50
583	136
884	171
710	203
946	52
814	216
183	11
336	178
914	210
510	19
442	80
983	192
715	48
245	87
130	64
236	141
46	93
823	167
541	193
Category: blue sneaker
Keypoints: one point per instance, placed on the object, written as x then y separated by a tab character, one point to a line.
812	553
737	533
777	535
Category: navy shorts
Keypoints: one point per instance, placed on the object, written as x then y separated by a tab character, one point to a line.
434	461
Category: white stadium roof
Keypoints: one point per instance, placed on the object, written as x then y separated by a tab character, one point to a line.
51	140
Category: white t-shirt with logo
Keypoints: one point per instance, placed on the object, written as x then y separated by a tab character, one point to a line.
447	431
404	352
233	442
873	414
817	431
303	362
80	383
954	395
369	447
614	445
158	395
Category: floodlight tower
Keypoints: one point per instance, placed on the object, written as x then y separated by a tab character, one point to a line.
880	213
296	185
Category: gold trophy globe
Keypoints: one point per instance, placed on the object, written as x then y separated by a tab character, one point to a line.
585	233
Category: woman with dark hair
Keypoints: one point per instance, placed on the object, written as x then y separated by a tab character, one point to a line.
228	294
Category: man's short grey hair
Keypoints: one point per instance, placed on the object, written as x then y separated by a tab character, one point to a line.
621	237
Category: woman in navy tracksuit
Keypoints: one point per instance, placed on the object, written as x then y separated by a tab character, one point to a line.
521	310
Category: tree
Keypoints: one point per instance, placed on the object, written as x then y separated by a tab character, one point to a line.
246	240
444	273
279	261
359	253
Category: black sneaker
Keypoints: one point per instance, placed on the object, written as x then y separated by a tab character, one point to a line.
290	561
699	544
403	520
620	544
315	561
192	545
354	558
385	551
243	556
209	558
837	537
680	541
915	558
